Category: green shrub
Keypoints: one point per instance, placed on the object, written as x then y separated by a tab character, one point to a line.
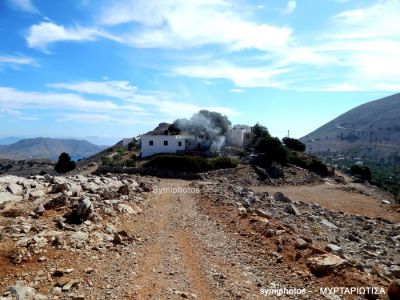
223	163
310	163
131	163
185	163
270	150
318	167
294	144
363	172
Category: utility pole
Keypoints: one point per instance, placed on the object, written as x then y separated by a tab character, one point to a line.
288	133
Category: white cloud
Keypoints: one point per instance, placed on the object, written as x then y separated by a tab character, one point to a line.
236	90
290	7
45	33
241	76
117	89
25	5
15	61
159	102
168	24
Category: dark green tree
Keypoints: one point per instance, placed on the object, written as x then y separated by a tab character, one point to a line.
259	131
64	163
294	144
364	172
270	150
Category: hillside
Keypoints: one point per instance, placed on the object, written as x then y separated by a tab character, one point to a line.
371	130
39	148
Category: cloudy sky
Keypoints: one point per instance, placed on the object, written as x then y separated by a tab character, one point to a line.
117	68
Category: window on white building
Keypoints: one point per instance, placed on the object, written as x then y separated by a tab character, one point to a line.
179	144
165	143
151	143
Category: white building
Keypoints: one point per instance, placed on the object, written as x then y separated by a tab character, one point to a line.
157	144
239	135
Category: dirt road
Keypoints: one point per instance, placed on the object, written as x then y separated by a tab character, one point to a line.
179	258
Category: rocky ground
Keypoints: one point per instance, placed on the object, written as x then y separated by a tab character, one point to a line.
132	237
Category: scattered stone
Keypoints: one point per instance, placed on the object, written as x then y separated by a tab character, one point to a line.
385	201
291	209
14	189
325	264
124	190
39	210
328	224
278	196
84	209
334	248
395	271
301	244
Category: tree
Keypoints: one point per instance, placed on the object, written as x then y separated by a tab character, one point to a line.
364	172
294	144
259	131
271	150
64	164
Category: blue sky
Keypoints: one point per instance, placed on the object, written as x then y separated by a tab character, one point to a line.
115	69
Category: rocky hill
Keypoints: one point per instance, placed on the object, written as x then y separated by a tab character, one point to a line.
48	148
222	237
371	130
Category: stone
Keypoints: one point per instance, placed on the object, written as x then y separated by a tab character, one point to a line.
393	290
70	284
110	229
328	224
39	210
385	201
333	248
125	208
8	197
291	209
79	236
59	188
301	244
124	190
325	264
262	213
14	189
23	292
36	194
278	196
117	239
395	271
84	209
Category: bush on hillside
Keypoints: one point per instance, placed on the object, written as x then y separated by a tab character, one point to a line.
64	163
223	163
310	163
294	144
185	163
362	172
270	150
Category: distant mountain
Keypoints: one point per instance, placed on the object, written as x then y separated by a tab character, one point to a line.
370	131
38	148
9	140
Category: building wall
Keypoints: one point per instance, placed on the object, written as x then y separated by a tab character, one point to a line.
239	135
158	144
126	141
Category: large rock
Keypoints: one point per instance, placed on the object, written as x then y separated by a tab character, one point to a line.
325	264
14	189
84	209
291	209
8	197
278	196
22	292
